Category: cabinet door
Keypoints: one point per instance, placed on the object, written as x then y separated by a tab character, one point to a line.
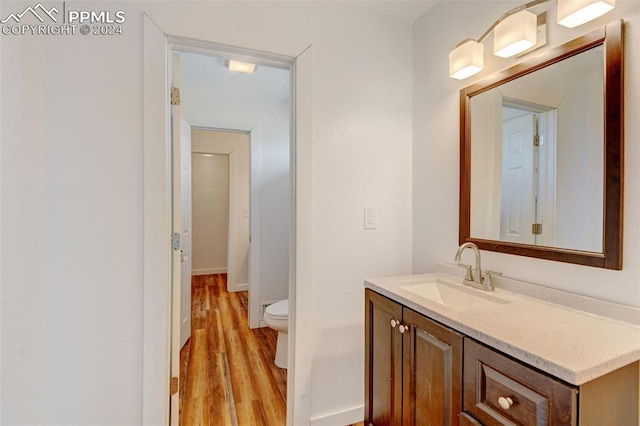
383	361
432	372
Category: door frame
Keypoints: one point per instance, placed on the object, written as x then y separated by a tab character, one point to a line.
156	331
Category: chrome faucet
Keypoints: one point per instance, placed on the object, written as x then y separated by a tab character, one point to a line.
474	277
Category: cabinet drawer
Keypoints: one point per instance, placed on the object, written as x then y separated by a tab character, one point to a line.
501	391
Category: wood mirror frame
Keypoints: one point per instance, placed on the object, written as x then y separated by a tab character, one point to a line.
611	37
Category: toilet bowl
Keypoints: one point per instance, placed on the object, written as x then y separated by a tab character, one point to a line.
276	317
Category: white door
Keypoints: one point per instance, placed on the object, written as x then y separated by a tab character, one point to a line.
517	204
185	245
181	228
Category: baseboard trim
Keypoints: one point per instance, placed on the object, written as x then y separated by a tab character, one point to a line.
344	417
242	287
209	271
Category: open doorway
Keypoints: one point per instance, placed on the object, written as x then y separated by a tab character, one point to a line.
161	368
258	107
210	213
221	204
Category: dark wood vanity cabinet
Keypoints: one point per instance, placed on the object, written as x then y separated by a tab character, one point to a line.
499	390
383	361
416	373
413	367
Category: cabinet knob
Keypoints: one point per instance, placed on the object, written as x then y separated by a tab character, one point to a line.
505	402
394	323
403	328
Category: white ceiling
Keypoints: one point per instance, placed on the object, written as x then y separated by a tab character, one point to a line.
215	97
406	11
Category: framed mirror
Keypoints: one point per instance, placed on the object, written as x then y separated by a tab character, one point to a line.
542	153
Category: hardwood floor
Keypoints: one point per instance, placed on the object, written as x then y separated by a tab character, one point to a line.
227	372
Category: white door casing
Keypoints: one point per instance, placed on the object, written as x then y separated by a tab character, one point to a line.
156	362
255	151
546	201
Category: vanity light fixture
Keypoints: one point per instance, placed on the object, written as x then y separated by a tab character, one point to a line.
515	32
572	13
466	60
237	66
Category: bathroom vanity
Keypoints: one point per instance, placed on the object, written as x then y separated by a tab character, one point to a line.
441	353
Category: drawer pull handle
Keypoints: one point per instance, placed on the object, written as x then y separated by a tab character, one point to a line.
394	323
403	328
505	403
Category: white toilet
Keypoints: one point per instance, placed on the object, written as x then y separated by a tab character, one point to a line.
276	316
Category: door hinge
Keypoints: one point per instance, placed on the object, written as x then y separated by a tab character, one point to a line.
536	228
175	241
536	140
174	385
175	95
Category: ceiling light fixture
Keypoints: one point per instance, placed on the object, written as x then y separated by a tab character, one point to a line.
515	32
237	66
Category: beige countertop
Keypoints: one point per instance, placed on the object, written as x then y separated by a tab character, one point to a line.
572	337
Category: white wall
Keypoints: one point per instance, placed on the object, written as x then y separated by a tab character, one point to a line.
72	199
580	159
210	214
436	149
71	284
486	181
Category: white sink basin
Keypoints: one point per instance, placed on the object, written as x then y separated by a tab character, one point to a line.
453	296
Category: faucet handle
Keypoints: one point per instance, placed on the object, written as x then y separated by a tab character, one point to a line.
468	275
488	275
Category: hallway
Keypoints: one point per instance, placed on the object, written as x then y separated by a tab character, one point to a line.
227	372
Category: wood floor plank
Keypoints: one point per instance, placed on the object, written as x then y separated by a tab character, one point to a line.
227	372
241	377
271	400
223	400
216	331
258	414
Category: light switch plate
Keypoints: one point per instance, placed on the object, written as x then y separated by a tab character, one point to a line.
369	218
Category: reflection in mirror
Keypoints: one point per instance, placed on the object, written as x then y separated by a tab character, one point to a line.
537	156
542	154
